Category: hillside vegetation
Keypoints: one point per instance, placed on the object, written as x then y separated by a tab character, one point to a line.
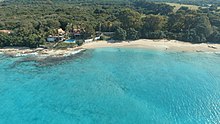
177	6
33	23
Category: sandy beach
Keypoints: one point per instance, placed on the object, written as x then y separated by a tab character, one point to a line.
162	44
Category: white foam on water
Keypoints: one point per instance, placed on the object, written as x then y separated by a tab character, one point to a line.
26	54
74	52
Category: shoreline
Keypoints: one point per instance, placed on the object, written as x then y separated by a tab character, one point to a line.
39	52
160	44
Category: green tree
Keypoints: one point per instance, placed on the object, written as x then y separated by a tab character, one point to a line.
176	23
2	25
88	31
153	23
120	34
63	23
132	34
53	23
32	41
4	40
130	19
203	25
214	37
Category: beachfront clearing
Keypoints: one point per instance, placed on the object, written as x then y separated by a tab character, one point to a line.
177	6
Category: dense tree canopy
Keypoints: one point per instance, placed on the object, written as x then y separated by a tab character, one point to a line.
32	21
130	19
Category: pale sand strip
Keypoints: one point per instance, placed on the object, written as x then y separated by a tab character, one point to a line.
162	44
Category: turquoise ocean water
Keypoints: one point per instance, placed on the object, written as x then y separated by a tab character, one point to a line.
112	86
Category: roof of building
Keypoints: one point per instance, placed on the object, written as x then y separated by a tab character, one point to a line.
61	31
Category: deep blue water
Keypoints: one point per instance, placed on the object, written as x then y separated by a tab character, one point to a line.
112	86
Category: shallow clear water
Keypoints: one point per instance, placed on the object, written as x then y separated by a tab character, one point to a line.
112	86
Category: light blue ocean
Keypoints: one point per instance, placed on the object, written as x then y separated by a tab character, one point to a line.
112	86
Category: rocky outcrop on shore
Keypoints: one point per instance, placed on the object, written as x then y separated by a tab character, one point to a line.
22	51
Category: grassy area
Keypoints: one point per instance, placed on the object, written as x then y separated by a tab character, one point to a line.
143	15
59	45
177	6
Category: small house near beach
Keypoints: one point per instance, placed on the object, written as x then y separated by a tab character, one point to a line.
59	36
51	38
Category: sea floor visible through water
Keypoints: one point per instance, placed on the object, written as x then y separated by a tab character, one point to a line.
112	86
